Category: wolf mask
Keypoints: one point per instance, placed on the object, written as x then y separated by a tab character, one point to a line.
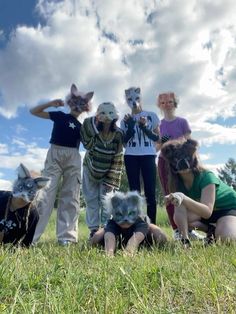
78	101
25	186
133	97
124	208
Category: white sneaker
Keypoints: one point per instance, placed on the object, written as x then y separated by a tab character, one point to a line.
193	235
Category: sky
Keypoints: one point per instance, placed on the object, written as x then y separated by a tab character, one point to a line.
106	46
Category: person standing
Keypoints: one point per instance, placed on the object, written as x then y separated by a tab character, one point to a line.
63	163
139	127
103	162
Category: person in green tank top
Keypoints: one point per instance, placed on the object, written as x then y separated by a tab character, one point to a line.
202	201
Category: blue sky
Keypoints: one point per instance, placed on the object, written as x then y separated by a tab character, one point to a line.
107	46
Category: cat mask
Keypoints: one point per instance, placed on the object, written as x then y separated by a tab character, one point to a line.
78	101
181	154
133	97
25	186
124	208
107	112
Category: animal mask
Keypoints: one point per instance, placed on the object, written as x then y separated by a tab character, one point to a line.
181	154
78	101
107	112
133	97
125	208
25	186
167	100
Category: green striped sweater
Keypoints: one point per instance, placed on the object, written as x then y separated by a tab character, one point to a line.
104	159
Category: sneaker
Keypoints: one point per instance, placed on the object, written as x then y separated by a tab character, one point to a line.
64	242
210	238
186	243
193	235
177	235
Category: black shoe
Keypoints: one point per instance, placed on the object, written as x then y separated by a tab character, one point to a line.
210	237
186	243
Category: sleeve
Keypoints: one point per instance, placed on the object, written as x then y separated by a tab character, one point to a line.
88	132
113	177
209	178
186	127
156	121
55	115
141	226
112	227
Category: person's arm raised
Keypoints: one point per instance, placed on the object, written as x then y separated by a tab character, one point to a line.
39	111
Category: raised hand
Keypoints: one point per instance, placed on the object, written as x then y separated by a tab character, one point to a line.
165	138
57	103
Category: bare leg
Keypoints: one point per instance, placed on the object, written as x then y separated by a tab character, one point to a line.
157	234
226	228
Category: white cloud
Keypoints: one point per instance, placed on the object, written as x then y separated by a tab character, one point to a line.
107	46
5	185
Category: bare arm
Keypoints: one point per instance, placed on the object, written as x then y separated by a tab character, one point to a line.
110	243
203	208
134	242
39	111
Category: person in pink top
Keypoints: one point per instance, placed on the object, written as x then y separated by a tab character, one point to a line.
173	127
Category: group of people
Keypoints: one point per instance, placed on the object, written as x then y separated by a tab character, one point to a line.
195	198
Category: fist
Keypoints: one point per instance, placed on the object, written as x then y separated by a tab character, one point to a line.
143	121
57	103
175	198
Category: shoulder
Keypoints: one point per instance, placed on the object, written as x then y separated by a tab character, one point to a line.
208	177
56	114
4	195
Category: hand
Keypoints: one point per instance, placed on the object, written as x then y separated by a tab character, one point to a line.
175	198
57	103
165	138
107	188
129	121
142	121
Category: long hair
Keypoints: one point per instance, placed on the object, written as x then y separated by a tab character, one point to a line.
180	150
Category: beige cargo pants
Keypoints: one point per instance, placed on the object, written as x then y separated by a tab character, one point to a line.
63	167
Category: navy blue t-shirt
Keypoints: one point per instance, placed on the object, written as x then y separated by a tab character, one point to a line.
66	129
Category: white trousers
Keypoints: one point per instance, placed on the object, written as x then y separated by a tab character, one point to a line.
63	167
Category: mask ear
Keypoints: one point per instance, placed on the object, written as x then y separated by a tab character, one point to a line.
126	92
74	90
89	96
168	151
190	146
138	90
135	200
115	201
41	182
23	172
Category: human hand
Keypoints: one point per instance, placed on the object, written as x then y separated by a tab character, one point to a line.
129	121
57	103
142	121
165	138
175	198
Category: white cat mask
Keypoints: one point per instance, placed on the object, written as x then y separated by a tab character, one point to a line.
133	97
107	112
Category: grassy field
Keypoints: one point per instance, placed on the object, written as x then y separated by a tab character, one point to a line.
77	279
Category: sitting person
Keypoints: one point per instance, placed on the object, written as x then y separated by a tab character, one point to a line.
18	216
201	199
127	228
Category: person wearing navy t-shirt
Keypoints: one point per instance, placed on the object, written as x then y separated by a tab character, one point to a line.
62	165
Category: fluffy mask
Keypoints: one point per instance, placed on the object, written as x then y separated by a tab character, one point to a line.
181	154
133	97
107	112
78	101
124	208
25	186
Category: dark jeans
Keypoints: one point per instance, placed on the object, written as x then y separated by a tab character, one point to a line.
145	166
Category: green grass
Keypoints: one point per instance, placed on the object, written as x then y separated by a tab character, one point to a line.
77	279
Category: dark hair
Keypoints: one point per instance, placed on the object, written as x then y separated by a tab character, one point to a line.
112	128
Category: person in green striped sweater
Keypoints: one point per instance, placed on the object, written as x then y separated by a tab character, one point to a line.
103	162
